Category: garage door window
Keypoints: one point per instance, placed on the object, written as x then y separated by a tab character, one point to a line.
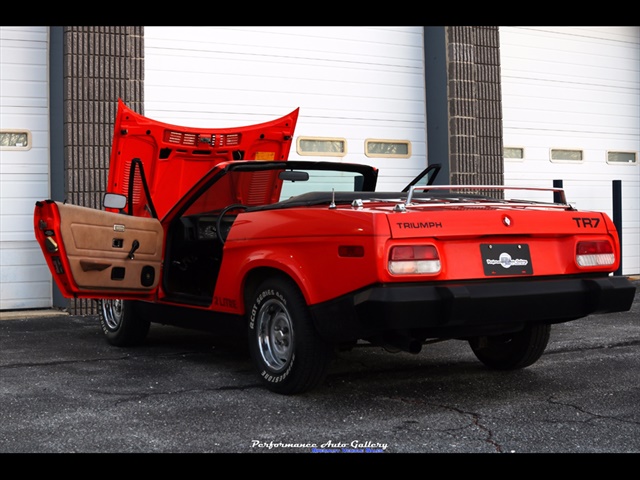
513	153
15	140
565	155
622	158
328	147
387	148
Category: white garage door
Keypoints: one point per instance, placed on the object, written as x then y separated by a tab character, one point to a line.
25	281
351	83
573	93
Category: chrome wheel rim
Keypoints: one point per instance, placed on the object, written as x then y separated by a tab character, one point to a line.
275	335
112	312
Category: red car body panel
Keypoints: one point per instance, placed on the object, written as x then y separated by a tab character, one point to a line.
316	256
317	234
174	158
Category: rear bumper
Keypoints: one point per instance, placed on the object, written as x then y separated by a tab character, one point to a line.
461	309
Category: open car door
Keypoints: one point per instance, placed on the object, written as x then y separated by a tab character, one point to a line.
99	254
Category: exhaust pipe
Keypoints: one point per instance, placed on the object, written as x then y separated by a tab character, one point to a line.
401	342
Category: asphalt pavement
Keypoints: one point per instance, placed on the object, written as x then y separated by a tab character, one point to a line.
63	389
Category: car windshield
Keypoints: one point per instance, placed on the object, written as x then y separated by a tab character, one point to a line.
260	184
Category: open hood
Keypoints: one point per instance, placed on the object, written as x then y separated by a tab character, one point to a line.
171	159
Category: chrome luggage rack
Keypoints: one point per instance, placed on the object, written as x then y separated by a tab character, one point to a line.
476	196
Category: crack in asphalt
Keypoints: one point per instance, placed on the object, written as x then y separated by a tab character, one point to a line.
185	353
583	348
137	396
595	416
475	420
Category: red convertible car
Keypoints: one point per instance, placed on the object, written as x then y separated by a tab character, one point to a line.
211	228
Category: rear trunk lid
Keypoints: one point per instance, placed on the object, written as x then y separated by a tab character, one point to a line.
497	241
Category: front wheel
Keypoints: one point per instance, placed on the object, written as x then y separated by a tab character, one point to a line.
287	351
121	324
512	350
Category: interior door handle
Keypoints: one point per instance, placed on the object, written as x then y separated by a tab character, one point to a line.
134	247
93	266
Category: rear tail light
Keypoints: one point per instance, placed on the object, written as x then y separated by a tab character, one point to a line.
594	253
414	259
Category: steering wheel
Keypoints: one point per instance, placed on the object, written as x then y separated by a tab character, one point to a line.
222	213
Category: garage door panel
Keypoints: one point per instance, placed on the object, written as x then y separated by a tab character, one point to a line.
575	88
25	280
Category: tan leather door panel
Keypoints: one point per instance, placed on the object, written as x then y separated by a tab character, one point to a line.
111	251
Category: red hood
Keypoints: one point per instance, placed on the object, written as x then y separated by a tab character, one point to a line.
174	158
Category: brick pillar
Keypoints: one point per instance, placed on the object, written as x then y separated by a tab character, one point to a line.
475	109
101	64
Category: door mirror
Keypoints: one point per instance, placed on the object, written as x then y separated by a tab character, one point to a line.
114	200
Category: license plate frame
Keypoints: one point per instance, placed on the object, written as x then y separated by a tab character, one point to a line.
513	259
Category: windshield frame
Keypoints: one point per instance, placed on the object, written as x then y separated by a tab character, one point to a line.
369	177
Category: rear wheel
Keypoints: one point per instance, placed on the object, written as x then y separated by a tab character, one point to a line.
513	350
287	351
121	324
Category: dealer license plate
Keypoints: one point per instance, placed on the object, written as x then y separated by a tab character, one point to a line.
506	259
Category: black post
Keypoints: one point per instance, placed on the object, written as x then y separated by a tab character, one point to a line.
556	195
617	216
